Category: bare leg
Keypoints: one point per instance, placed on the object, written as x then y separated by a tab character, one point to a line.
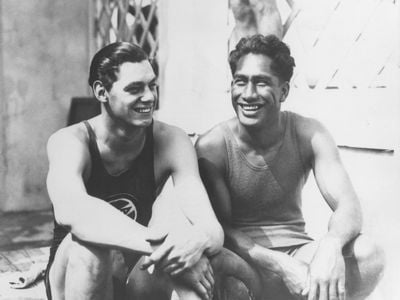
268	17
255	16
156	286
245	21
81	271
235	278
232	272
364	265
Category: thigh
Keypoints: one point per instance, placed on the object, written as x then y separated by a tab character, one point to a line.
155	285
81	268
57	270
305	253
233	273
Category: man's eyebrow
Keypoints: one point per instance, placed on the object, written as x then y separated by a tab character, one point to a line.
134	84
240	76
262	77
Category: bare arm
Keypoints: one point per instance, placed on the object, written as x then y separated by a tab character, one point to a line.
327	268
336	188
89	218
200	233
190	192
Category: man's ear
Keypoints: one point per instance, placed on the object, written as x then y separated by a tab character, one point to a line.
285	91
100	91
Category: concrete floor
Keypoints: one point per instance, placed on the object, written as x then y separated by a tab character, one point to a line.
24	240
26	229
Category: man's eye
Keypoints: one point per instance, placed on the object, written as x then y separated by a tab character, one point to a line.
153	86
262	83
135	90
240	82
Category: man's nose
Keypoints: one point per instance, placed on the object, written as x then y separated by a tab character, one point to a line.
250	91
148	95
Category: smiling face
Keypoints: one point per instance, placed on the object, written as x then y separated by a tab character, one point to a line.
257	92
133	95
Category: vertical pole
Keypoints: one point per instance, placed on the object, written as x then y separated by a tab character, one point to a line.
3	118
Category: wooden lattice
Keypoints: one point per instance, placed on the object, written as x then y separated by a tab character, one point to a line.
345	44
347	69
127	20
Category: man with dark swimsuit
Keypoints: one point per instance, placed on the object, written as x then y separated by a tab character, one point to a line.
104	177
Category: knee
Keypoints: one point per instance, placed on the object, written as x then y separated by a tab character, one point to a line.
233	288
271	279
370	255
92	258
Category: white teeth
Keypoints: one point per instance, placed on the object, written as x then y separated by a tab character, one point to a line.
143	110
250	107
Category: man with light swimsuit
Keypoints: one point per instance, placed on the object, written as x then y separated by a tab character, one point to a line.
254	167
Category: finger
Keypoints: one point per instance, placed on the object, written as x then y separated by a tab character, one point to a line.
210	269
323	292
156	238
341	289
169	269
166	261
210	277
156	256
312	294
201	291
306	289
207	285
333	292
178	271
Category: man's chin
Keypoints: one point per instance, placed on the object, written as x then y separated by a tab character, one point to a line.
142	123
248	122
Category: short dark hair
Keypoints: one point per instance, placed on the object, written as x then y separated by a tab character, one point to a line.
271	46
106	62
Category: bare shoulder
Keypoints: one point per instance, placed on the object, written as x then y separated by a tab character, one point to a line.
166	134
212	140
67	150
211	147
66	137
173	151
314	137
307	127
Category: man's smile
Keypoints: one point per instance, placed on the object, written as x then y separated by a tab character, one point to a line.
143	110
250	107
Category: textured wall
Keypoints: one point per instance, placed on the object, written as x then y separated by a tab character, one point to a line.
43	64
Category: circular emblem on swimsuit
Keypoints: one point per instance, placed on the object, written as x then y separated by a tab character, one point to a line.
124	203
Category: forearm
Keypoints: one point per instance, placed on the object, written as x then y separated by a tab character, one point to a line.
345	224
259	256
195	206
214	237
95	221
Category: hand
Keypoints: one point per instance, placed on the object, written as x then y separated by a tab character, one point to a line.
294	274
327	272
181	249
199	278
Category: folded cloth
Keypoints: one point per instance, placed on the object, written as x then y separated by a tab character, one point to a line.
23	279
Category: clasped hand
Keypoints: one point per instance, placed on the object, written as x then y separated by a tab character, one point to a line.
180	250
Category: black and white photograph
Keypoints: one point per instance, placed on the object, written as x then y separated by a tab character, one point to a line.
199	150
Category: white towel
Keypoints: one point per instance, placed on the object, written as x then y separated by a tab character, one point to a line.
20	280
